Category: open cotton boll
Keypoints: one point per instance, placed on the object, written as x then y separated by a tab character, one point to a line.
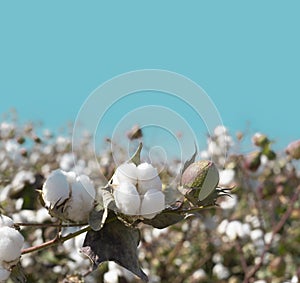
4	274
82	199
126	173
152	203
11	243
56	188
127	198
226	177
147	178
6	221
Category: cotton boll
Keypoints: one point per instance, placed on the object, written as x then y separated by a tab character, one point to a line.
147	178
6	221
11	242
126	172
127	198
4	274
82	199
226	177
56	188
220	271
152	203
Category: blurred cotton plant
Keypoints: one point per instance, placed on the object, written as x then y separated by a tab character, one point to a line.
173	230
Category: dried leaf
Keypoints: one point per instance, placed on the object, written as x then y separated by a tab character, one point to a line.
17	274
190	161
114	242
136	158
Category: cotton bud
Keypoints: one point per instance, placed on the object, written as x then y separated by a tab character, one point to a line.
153	202
147	178
135	133
127	198
199	180
293	149
260	140
253	161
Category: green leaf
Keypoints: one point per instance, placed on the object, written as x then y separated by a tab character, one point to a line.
164	219
114	242
136	158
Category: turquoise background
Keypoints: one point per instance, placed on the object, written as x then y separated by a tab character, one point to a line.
244	54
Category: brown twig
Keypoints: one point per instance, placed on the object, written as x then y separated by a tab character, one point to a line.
49	225
57	240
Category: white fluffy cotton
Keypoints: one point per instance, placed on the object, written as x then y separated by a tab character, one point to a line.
77	192
127	198
4	274
138	190
147	178
126	172
153	202
82	198
6	221
56	188
11	242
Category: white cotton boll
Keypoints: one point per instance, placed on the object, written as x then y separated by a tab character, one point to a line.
220	271
82	199
213	148
111	276
56	188
21	178
226	177
6	129
228	202
235	229
6	221
153	203
11	243
4	274
126	172
127	198
222	227
147	178
220	130
256	234
67	161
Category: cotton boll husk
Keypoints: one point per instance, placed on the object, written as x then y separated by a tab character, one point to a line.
153	203
56	188
126	172
4	274
127	198
11	242
147	178
82	199
6	221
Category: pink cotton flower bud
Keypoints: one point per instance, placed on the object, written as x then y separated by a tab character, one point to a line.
293	149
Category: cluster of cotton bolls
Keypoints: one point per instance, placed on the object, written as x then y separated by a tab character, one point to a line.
138	190
11	243
218	145
75	193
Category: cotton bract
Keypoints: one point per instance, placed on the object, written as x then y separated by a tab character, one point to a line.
138	190
75	193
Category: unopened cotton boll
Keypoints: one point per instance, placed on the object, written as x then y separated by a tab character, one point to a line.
82	199
56	188
11	243
153	203
127	198
6	221
4	274
126	172
147	178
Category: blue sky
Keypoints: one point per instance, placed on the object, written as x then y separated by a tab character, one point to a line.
245	55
